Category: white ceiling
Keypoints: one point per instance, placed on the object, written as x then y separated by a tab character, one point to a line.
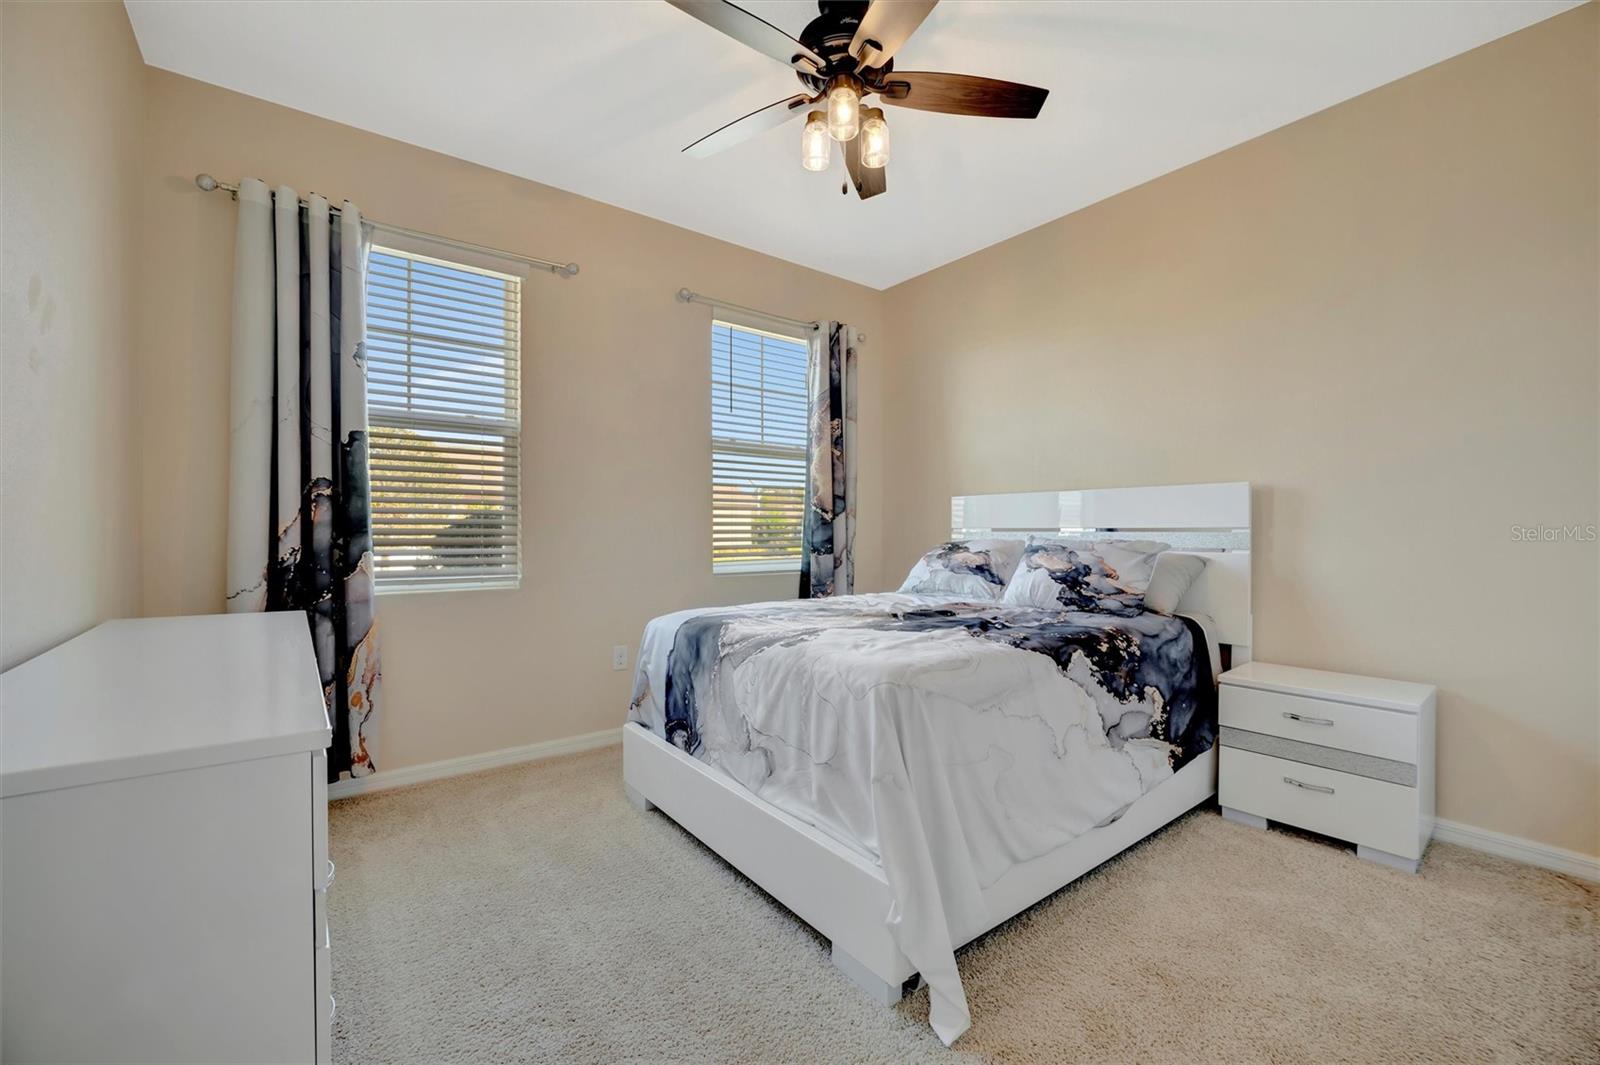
599	97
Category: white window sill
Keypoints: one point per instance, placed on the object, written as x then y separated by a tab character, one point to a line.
403	587
749	569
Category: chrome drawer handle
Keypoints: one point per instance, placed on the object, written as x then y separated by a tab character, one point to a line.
1308	720
1308	787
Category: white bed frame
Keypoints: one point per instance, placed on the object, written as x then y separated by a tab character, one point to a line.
844	895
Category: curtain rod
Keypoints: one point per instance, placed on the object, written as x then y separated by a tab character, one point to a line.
207	183
686	296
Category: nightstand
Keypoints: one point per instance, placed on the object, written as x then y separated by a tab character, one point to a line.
1347	756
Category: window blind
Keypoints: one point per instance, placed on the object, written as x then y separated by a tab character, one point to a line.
758	449
443	342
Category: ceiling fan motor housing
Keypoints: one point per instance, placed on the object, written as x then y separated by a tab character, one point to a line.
829	35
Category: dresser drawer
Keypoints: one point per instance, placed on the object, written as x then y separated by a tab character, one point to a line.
1370	812
321	940
325	1006
1384	733
319	819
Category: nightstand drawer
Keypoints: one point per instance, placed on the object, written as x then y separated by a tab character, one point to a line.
1370	812
1385	733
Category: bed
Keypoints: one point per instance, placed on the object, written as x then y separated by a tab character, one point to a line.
907	771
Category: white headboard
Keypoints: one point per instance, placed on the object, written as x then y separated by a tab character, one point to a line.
1210	520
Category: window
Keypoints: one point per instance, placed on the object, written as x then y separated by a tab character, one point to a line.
443	340
758	449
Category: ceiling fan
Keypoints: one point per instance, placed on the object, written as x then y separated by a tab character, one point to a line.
844	55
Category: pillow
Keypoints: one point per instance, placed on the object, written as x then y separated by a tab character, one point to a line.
1175	572
977	568
1109	576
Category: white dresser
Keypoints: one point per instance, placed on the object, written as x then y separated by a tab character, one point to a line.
164	846
1347	756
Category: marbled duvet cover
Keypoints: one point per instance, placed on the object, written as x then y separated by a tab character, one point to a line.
947	740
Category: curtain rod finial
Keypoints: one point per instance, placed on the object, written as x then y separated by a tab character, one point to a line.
569	270
205	182
685	296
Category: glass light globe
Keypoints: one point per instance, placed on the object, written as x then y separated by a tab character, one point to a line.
816	147
844	108
874	138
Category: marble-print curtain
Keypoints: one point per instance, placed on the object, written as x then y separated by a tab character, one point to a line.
299	522
827	554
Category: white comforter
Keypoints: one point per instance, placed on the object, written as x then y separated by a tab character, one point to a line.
948	741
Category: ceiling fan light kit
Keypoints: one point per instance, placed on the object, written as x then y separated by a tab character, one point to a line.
844	55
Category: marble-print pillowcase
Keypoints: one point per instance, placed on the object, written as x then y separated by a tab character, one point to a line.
1106	576
975	568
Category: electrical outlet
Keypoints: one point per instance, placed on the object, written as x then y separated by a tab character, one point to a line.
619	657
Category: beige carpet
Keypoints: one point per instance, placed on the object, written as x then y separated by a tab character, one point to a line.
531	914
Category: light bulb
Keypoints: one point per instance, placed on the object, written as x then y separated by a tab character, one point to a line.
874	138
844	107
816	149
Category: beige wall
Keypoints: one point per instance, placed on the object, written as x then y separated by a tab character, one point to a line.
616	401
73	88
1384	316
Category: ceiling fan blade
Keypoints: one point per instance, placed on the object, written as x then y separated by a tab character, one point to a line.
742	129
752	31
885	27
869	181
962	94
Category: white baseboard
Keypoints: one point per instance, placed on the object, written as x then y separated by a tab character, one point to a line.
1556	859
385	779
